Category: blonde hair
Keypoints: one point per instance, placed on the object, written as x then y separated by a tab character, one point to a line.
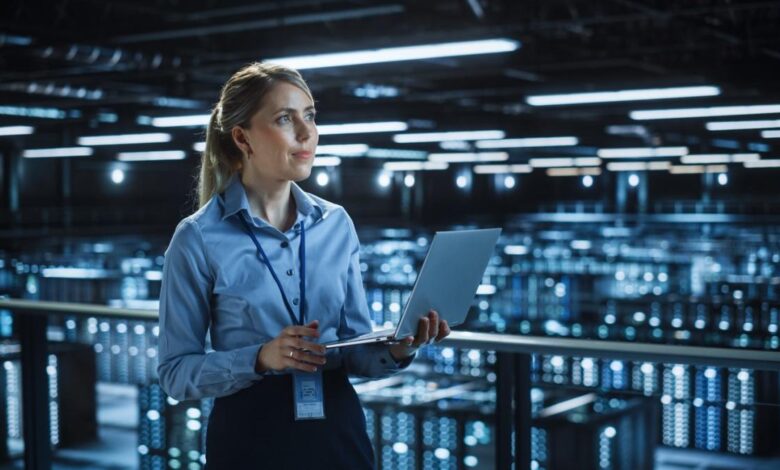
241	97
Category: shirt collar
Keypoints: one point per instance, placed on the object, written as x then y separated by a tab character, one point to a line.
235	200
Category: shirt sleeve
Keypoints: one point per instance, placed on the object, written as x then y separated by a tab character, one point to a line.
186	370
370	360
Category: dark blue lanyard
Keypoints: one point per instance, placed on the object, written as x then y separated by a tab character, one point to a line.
264	258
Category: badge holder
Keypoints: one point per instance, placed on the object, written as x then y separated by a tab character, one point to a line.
308	395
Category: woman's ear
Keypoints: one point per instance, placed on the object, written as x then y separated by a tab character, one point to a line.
239	138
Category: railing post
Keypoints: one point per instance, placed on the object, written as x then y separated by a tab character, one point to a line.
35	412
522	411
505	380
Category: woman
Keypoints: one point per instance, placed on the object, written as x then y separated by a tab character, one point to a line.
272	272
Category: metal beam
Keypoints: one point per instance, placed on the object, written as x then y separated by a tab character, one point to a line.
35	386
266	23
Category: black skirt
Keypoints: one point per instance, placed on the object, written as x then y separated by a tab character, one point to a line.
255	429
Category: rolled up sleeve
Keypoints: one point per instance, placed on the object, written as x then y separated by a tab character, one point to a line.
372	360
186	370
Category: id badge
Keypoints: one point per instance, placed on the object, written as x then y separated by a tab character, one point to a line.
308	395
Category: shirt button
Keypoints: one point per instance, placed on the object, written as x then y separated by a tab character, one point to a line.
289	272
295	301
383	360
285	244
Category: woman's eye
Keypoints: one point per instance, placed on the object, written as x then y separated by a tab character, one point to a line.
283	119
311	116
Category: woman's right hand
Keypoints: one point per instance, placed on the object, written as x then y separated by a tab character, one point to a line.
290	351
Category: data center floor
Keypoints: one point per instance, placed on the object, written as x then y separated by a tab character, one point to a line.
118	438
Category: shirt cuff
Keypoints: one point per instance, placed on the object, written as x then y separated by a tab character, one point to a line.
388	358
242	366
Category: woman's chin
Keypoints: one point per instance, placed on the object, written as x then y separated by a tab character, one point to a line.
302	174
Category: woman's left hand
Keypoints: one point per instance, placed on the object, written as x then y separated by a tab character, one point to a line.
430	329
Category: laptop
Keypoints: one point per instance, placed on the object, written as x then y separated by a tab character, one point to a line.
447	283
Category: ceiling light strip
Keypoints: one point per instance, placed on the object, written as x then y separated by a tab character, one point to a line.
445	136
623	95
396	54
528	142
641	152
715	111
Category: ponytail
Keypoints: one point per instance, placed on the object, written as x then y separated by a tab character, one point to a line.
214	171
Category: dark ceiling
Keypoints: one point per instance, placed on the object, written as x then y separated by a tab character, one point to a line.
94	59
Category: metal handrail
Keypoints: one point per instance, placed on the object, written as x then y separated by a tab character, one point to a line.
634	351
41	306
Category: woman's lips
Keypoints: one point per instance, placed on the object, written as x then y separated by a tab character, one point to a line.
303	154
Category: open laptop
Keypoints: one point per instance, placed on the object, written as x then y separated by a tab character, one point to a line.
447	283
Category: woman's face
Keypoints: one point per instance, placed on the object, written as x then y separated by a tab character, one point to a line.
280	142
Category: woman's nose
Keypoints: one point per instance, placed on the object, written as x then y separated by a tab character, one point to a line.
303	132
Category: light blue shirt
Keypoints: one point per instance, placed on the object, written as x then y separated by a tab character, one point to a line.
214	282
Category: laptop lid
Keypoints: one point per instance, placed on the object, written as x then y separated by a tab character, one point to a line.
449	277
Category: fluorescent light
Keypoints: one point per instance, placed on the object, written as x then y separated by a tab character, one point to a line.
182	103
151	156
707	159
150	138
580	244
58	152
739	125
587	161
550	162
182	121
469	157
563	172
323	129
516	250
344	150
714	111
528	142
455	145
770	134
695	169
36	112
641	152
16	130
395	54
638	166
327	161
623	95
74	273
500	169
199	146
773	163
397	153
362	128
444	136
414	166
745	157
564	161
574	171
486	289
